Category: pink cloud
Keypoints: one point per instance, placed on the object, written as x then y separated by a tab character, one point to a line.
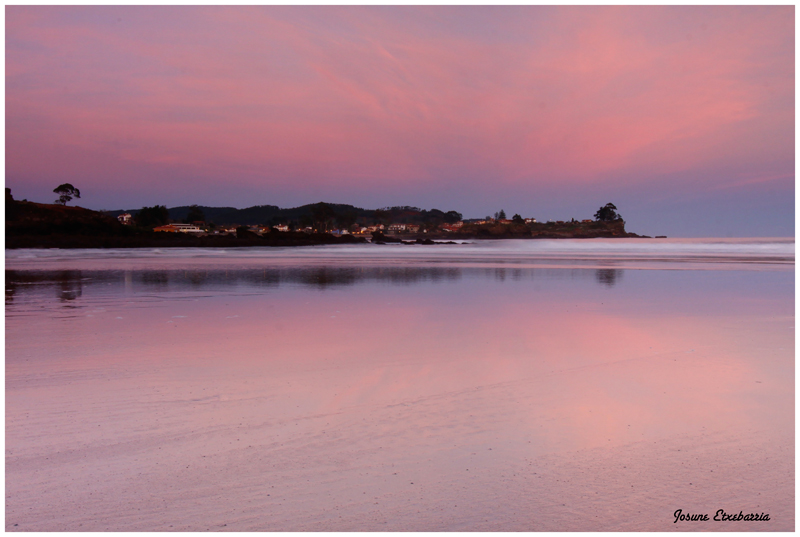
564	95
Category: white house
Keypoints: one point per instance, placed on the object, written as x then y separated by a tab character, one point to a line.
179	228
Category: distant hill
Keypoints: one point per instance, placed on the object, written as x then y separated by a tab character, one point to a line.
41	225
213	213
272	214
38	225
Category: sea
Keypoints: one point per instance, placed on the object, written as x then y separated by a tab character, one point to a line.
508	385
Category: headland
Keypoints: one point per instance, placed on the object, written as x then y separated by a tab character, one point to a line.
38	225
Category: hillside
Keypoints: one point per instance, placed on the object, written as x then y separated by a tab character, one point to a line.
40	225
28	218
338	214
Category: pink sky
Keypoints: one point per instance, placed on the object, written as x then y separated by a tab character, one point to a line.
546	111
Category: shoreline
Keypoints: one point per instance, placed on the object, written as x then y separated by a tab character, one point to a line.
274	239
36	225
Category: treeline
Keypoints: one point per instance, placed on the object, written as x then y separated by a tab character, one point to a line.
321	216
38	225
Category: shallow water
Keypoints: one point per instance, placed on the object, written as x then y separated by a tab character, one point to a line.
508	385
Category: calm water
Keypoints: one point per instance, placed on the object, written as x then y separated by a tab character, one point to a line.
508	385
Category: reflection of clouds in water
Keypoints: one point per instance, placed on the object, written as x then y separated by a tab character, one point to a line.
404	365
608	277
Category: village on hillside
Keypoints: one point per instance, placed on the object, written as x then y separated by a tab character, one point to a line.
200	227
391	221
30	225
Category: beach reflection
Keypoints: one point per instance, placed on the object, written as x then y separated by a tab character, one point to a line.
333	373
608	277
69	284
608	367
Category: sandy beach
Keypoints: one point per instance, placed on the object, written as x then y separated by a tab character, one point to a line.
549	400
400	268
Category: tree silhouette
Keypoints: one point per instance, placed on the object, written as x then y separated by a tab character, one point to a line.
152	216
379	216
346	219
451	217
322	214
66	192
195	214
607	213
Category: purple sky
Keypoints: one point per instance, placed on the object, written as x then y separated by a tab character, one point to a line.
681	116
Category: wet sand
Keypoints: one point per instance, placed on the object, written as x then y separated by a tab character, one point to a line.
472	400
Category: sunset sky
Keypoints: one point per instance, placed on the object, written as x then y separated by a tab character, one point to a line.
681	116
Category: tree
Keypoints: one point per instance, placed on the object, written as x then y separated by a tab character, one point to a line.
379	216
243	232
451	217
195	214
66	192
501	215
12	207
322	213
157	215
517	219
346	219
607	213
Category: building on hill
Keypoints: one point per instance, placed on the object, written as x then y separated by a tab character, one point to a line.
178	228
125	219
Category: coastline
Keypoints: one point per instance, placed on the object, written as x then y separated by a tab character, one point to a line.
36	225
